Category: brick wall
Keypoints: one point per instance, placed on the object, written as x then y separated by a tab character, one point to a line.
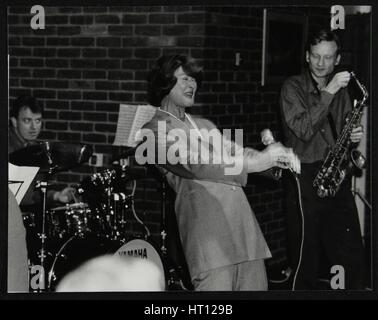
88	60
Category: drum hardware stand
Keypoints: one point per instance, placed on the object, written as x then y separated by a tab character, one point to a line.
112	216
163	232
173	279
123	217
118	228
116	205
356	192
50	161
109	213
42	185
115	230
121	225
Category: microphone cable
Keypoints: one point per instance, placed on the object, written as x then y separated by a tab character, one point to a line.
267	138
302	228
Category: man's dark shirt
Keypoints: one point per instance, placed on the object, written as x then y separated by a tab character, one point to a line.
305	123
15	142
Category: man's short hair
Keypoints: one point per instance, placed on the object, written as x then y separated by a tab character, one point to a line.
323	35
161	78
25	101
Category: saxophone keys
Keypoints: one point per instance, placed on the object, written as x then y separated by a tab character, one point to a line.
322	192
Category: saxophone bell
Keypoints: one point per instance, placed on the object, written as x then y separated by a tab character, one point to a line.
358	160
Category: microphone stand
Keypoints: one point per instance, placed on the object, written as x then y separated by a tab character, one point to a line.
357	192
363	199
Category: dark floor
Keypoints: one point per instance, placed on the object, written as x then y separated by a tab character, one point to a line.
279	279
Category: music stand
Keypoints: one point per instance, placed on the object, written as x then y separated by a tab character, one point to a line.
16	189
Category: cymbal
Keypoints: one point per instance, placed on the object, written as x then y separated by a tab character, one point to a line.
115	176
52	157
132	173
29	156
69	206
125	154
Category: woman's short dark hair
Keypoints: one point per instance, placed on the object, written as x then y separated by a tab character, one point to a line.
161	78
28	102
323	35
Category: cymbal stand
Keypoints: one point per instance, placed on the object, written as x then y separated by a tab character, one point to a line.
50	161
124	201
122	222
115	213
110	214
118	228
357	192
42	185
172	272
163	231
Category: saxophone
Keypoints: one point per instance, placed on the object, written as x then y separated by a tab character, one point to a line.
340	158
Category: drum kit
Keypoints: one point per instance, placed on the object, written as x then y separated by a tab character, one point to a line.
61	238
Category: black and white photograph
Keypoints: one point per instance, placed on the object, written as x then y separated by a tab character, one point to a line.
189	148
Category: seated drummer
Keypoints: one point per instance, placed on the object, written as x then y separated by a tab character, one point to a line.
25	127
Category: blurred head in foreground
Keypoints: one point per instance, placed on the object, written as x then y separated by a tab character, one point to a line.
113	273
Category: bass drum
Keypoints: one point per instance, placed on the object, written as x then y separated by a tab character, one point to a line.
142	249
174	276
74	252
77	250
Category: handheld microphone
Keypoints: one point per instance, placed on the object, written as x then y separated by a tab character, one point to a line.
267	139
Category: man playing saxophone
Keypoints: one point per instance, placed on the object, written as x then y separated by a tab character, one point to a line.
314	106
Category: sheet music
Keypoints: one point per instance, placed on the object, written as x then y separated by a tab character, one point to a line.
144	114
131	118
20	179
